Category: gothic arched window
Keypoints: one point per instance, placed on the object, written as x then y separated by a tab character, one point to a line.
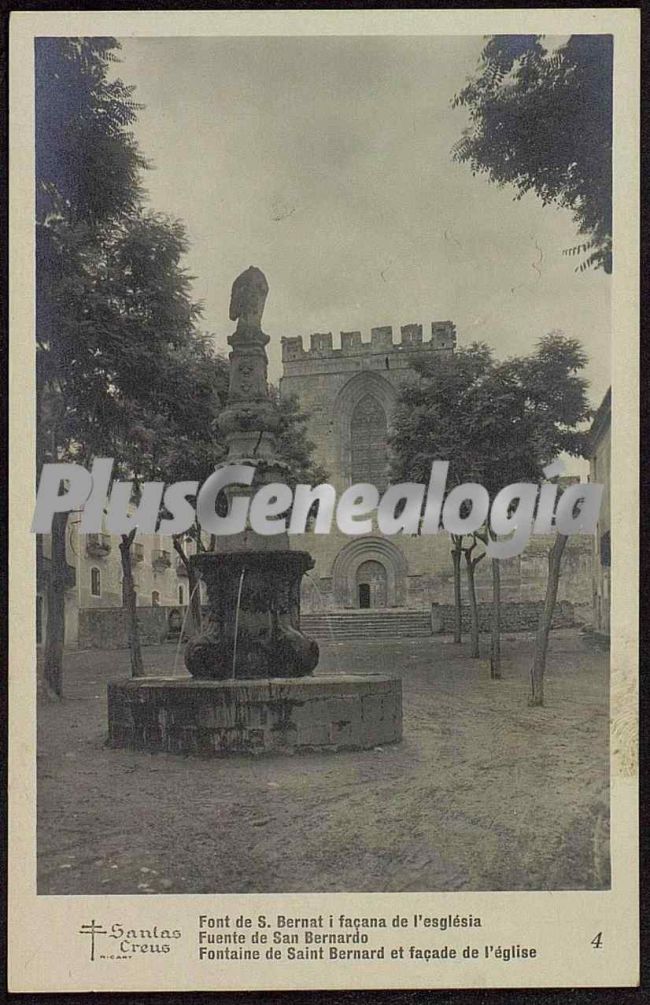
368	441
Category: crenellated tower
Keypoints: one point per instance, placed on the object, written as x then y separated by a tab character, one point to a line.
350	391
369	354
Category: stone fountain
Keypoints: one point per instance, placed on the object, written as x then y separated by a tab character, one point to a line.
252	688
253	580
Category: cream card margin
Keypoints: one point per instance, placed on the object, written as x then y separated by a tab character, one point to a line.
44	950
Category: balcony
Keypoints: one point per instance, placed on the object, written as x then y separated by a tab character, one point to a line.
98	545
181	568
138	553
161	560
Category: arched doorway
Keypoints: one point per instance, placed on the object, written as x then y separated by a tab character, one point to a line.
372	589
375	564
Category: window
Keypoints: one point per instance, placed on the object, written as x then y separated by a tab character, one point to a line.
95	582
155	599
181	595
368	436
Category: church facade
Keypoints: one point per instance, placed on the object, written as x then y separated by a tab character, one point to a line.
350	393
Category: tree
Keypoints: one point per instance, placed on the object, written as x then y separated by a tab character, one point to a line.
495	622
557	406
456	555
113	302
522	415
151	331
497	423
294	446
87	166
541	120
189	444
87	161
102	316
429	424
545	620
472	559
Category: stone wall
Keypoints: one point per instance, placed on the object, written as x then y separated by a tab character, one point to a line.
514	617
421	569
219	717
330	382
106	628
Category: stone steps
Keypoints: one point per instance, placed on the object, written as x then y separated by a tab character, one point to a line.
366	624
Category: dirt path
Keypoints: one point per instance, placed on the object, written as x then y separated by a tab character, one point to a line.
484	793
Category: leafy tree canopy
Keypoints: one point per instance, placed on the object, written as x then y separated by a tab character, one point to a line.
87	160
542	121
495	422
115	323
431	412
294	446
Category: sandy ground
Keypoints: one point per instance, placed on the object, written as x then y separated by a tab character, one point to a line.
484	793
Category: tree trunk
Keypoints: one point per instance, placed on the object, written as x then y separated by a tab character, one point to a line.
495	627
55	627
195	599
545	620
192	585
458	604
129	597
471	564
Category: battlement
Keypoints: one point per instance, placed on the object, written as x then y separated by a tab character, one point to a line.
321	344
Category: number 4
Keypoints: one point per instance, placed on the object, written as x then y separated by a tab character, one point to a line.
597	941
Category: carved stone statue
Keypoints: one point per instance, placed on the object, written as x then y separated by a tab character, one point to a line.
250	418
247	299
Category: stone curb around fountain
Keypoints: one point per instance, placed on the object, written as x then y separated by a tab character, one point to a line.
261	716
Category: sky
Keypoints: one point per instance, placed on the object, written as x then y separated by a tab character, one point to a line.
326	162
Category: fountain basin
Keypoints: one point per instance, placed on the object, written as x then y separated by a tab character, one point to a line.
253	628
277	715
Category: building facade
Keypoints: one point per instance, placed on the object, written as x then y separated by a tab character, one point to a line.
350	394
94	579
600	454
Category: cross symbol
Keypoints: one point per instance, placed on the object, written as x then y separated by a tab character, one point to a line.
92	930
